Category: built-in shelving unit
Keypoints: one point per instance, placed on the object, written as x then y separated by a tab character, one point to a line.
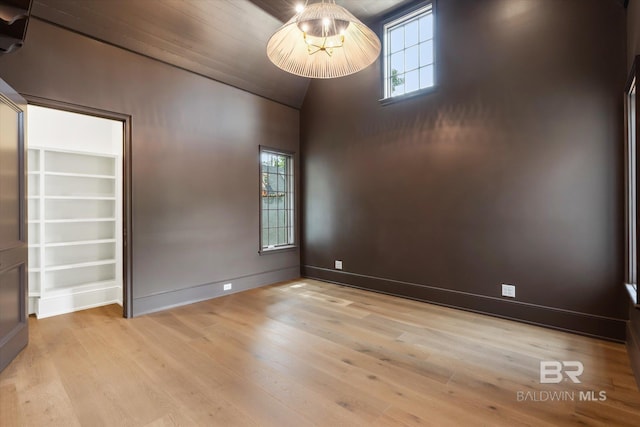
75	234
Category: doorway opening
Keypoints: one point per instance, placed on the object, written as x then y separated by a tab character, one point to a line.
77	210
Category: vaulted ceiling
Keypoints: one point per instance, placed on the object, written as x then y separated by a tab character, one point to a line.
224	40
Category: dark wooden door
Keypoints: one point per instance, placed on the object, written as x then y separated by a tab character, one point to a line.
14	334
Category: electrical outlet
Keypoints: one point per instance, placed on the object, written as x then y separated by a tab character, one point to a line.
226	287
338	265
508	290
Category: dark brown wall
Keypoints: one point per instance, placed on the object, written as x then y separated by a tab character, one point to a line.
633	49
633	31
195	161
510	172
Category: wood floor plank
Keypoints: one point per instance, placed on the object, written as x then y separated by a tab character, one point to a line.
9	405
284	387
140	403
41	397
287	363
309	353
189	398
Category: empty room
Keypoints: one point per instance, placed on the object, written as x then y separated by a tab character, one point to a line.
319	212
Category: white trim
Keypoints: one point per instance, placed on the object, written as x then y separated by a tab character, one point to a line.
631	196
633	293
409	16
386	55
67	301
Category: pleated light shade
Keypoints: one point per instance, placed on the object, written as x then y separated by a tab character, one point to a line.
323	41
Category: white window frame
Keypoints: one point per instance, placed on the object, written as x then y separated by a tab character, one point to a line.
290	200
631	180
400	20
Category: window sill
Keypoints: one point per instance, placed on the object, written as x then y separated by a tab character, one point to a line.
277	249
633	294
406	96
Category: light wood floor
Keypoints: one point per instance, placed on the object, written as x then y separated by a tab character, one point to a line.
307	353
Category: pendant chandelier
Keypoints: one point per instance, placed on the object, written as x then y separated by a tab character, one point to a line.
322	41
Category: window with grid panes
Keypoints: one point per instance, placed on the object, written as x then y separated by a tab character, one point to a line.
276	200
409	53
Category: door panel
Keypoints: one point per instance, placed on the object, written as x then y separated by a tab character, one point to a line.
9	179
14	334
9	300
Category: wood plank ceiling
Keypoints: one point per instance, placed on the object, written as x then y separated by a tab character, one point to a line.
224	40
362	9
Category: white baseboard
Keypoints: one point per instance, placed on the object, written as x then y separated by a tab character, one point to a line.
75	300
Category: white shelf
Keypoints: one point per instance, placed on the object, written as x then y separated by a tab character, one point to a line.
81	276
79	243
75	231
69	220
79	265
79	175
78	162
33	270
77	289
79	198
73	185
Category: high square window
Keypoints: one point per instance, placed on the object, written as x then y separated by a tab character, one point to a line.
409	53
